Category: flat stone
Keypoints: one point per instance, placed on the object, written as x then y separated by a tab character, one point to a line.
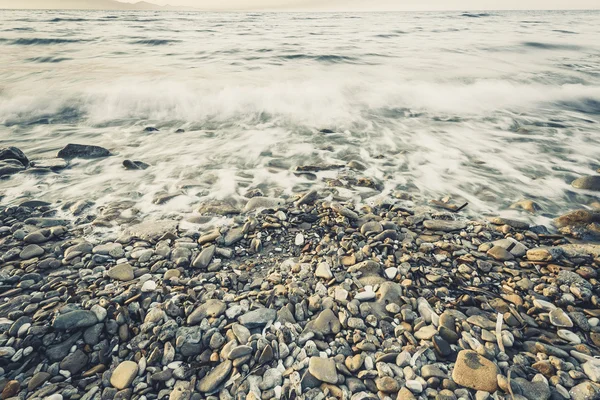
544	254
121	272
74	320
432	371
38	380
426	332
214	378
211	308
510	222
560	318
517	248
257	318
124	374
481	321
443	225
205	257
476	372
31	251
414	386
568	336
323	369
500	254
71	151
239	351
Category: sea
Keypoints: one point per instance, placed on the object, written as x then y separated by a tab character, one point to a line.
485	108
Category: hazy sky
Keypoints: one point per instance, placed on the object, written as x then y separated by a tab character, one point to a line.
391	4
330	5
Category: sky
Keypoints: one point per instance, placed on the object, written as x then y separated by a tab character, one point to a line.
393	4
333	5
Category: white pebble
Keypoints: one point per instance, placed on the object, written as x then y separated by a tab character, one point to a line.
149	286
414	386
299	241
391	272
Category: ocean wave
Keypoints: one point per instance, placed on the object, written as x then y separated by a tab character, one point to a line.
58	19
475	15
313	102
44	60
155	42
551	46
43	41
324	58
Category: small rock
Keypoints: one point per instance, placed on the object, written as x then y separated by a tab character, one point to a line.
124	374
121	272
213	379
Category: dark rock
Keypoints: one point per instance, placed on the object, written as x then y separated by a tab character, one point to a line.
74	362
135	165
13	153
75	320
82	151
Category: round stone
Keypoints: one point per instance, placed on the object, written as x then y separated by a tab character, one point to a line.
124	374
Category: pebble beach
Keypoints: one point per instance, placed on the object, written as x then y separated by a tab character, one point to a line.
299	297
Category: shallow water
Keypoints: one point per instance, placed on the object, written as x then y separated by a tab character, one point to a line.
488	108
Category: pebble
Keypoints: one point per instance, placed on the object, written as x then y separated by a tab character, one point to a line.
123	376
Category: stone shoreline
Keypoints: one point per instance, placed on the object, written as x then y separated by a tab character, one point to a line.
307	299
294	298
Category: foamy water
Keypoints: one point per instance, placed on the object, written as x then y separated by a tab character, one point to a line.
488	108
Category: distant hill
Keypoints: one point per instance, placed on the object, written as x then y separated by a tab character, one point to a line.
86	5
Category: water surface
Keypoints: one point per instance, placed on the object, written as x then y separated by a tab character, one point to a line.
488	108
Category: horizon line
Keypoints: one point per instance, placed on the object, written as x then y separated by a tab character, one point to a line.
165	8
